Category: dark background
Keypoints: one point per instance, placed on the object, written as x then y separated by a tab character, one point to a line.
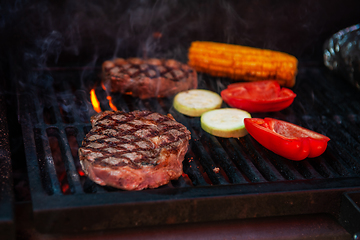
85	33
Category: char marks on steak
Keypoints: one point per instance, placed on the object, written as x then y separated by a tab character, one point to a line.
148	78
133	151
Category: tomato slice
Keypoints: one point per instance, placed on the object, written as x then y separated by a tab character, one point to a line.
259	96
286	139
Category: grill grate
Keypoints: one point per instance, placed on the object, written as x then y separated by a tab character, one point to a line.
55	119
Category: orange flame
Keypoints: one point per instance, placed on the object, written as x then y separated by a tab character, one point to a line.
103	86
94	101
111	104
113	107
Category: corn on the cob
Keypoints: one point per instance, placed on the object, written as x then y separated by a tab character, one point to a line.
243	63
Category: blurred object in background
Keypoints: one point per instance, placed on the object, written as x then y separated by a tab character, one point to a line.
342	54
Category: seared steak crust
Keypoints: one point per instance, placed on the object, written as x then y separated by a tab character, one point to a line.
134	150
148	78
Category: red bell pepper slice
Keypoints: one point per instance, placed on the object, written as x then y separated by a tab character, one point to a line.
286	139
259	96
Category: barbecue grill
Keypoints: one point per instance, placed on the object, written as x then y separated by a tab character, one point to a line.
51	117
253	187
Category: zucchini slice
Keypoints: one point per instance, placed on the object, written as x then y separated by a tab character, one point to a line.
225	122
196	101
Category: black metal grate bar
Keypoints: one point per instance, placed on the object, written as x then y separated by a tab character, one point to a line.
220	156
192	169
72	174
267	170
199	149
306	170
242	161
49	163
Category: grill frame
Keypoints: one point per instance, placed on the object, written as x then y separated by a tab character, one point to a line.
7	221
262	183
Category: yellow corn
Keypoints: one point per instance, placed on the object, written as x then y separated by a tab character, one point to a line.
243	63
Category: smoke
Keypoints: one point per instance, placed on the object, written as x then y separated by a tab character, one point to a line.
72	32
233	22
42	34
51	46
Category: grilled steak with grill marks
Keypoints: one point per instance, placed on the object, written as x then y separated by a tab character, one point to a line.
148	78
133	151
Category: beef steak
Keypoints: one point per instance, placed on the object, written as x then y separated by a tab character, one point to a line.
135	150
148	78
